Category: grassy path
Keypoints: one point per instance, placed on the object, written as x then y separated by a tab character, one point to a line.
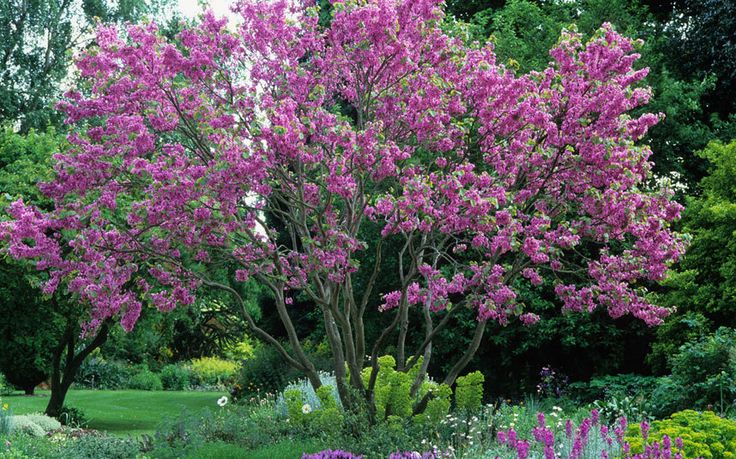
122	412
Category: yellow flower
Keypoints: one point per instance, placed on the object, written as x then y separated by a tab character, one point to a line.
5	407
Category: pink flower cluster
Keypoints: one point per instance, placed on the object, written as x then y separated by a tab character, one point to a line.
182	147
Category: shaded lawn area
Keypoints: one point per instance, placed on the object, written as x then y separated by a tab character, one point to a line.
122	412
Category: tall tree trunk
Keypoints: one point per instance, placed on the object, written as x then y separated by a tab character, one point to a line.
61	382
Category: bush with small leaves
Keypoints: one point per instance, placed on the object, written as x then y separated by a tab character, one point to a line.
469	392
72	416
176	377
23	424
213	371
438	405
704	435
146	380
47	423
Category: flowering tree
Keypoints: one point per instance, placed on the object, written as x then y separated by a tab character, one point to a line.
483	177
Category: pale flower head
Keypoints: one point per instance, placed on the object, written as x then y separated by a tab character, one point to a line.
222	401
306	408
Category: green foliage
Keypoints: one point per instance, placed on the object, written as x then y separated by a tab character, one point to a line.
24	425
704	435
469	392
240	350
704	285
439	404
706	369
37	40
295	406
176	377
265	372
94	446
47	423
73	417
676	331
145	379
5	387
392	390
5	417
213	371
99	373
601	387
703	376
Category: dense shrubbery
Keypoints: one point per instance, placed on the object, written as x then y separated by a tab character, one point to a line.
267	372
704	435
176	377
145	379
100	373
206	373
213	371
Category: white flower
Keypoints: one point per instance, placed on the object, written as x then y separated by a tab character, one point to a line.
222	401
306	409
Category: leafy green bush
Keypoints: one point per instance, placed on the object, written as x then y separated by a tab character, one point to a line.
704	435
602	387
469	392
98	373
438	405
176	377
73	417
706	369
213	371
5	387
23	446
392	392
93	446
47	423
266	372
24	425
145	380
703	375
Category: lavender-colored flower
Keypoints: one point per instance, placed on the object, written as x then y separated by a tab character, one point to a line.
331	454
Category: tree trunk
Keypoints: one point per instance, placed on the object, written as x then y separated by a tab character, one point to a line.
60	384
58	395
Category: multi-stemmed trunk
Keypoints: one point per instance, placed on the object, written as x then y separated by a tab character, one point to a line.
63	377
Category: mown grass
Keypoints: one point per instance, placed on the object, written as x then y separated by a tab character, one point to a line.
122	412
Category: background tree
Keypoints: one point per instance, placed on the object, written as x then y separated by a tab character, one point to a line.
37	39
704	285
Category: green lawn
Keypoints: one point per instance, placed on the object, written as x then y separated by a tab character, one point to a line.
122	412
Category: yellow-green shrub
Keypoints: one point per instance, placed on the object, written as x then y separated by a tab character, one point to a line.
469	392
325	418
212	370
438	405
704	435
